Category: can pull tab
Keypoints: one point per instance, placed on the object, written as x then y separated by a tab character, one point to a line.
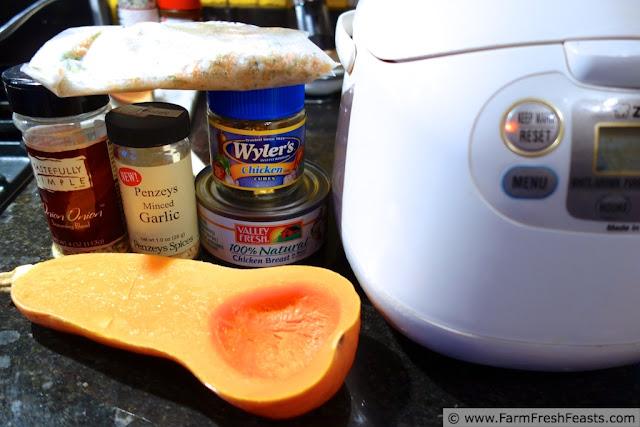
345	45
614	63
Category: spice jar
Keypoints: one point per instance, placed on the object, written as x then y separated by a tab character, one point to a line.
180	10
133	11
256	141
66	140
152	154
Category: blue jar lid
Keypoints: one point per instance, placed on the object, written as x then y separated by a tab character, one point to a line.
260	104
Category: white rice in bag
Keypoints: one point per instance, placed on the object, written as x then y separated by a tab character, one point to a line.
192	56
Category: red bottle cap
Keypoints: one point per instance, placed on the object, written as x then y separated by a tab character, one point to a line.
180	4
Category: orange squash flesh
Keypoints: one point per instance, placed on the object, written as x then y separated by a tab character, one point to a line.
276	342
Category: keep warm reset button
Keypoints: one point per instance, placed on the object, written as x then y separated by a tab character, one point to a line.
526	182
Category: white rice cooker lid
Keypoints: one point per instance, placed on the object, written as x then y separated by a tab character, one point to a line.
412	29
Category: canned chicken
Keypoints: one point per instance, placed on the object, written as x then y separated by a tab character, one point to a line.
268	233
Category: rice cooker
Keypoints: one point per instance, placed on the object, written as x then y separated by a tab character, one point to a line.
487	176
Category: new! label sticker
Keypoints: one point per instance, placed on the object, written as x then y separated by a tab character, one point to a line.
129	177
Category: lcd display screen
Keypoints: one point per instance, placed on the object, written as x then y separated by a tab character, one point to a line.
617	149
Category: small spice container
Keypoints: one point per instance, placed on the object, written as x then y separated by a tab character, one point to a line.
256	141
66	140
268	233
133	11
152	154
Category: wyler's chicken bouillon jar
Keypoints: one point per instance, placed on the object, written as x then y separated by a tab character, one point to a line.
256	141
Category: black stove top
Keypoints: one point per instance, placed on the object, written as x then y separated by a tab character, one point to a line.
19	46
15	170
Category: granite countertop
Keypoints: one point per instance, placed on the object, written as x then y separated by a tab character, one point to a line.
52	378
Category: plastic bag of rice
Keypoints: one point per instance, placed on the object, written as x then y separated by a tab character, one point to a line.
191	56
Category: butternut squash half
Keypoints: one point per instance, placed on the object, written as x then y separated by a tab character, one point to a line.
276	342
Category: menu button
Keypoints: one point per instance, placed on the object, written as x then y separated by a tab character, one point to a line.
529	182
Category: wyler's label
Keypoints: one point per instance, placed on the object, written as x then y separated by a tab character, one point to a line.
79	195
262	244
257	159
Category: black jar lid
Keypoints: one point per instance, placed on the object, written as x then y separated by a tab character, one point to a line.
147	124
29	97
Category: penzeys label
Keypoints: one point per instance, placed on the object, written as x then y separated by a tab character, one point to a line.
257	159
262	244
159	206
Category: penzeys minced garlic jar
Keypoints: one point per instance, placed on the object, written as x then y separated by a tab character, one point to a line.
152	154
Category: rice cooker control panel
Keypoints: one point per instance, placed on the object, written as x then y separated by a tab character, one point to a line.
604	180
569	162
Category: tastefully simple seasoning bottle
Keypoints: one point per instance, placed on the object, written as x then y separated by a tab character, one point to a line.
256	141
152	154
66	140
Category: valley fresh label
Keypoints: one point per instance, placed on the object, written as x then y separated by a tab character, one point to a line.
262	244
